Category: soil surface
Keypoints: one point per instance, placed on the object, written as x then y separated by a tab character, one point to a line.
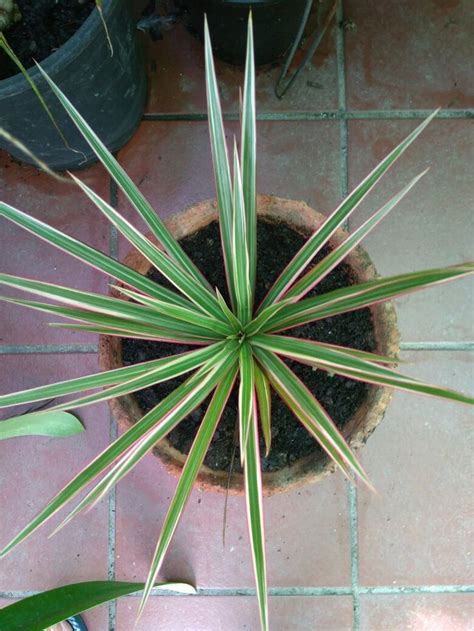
341	397
44	27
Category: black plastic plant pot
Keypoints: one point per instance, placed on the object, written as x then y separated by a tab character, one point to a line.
276	24
108	90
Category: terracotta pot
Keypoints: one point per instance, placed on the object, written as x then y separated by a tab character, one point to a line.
311	468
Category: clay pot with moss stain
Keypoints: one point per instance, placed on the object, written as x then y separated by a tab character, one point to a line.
315	466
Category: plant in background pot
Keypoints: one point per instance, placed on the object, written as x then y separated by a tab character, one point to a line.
235	342
70	40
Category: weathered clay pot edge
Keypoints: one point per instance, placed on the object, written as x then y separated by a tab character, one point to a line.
304	219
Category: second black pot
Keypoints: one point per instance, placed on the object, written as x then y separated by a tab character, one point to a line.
276	24
109	92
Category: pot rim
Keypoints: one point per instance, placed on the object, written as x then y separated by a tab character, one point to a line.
84	36
300	216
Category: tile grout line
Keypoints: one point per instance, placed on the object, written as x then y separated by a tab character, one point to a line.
344	182
31	349
354	541
317	115
111	535
382	590
437	346
112	500
26	349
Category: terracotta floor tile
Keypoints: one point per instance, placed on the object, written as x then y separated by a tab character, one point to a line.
176	80
418	529
432	227
307	534
417	612
22	254
96	619
171	163
221	613
34	469
409	54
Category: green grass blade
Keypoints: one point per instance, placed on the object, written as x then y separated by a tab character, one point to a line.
220	161
253	496
248	156
89	255
362	295
98	380
188	476
47	423
340	363
240	252
322	269
307	409
264	399
183	281
41	611
297	265
246	395
110	325
109	455
181	313
122	309
130	190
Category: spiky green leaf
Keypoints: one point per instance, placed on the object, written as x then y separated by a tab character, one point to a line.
188	476
362	295
306	254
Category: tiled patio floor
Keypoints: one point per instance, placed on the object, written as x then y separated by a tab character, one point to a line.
338	558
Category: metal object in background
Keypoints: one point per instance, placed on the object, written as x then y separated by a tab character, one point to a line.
284	83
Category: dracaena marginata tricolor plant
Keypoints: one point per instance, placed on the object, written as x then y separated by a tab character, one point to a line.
237	342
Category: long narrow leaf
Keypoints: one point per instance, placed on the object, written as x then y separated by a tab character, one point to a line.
107	325
156	337
322	269
171	367
220	161
101	379
362	295
180	313
163	425
253	496
110	454
340	363
130	190
185	282
47	423
240	252
262	390
246	395
103	304
267	314
89	255
248	156
307	409
227	311
190	470
299	262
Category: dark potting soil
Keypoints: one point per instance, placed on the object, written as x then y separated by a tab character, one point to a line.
45	26
341	397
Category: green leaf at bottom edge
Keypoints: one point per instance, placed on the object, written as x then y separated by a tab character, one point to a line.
40	611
